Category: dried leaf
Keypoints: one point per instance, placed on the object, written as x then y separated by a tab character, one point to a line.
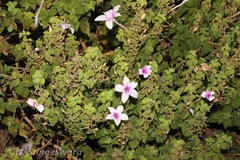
109	53
205	66
62	17
104	41
14	26
196	70
34	129
4	52
99	32
84	46
69	157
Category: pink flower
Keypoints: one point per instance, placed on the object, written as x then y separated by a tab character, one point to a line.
25	148
109	17
117	115
66	26
146	71
208	95
127	88
34	103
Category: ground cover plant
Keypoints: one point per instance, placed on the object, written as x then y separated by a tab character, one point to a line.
129	79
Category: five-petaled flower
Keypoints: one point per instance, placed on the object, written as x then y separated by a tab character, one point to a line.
127	88
26	147
66	26
34	103
117	115
208	95
146	71
109	17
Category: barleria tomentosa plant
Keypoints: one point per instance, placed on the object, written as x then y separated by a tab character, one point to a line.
154	88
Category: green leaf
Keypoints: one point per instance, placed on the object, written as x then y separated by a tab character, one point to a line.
77	108
206	48
85	26
2	109
53	120
133	144
237	120
105	140
16	82
133	133
51	112
25	92
180	107
19	90
46	111
139	135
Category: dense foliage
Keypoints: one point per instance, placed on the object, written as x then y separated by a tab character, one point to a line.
191	49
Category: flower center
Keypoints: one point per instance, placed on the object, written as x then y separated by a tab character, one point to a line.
144	70
208	95
35	103
109	14
127	89
116	115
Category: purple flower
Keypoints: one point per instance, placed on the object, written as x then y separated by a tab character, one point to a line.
127	88
208	95
146	71
25	148
109	17
117	115
66	26
34	103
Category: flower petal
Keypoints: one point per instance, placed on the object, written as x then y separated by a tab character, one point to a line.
212	93
109	14
203	94
111	109
211	98
109	24
145	75
30	102
133	85
40	108
117	121
119	109
72	29
191	111
140	71
119	88
126	81
148	66
110	116
134	94
115	9
101	18
125	97
117	14
123	117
